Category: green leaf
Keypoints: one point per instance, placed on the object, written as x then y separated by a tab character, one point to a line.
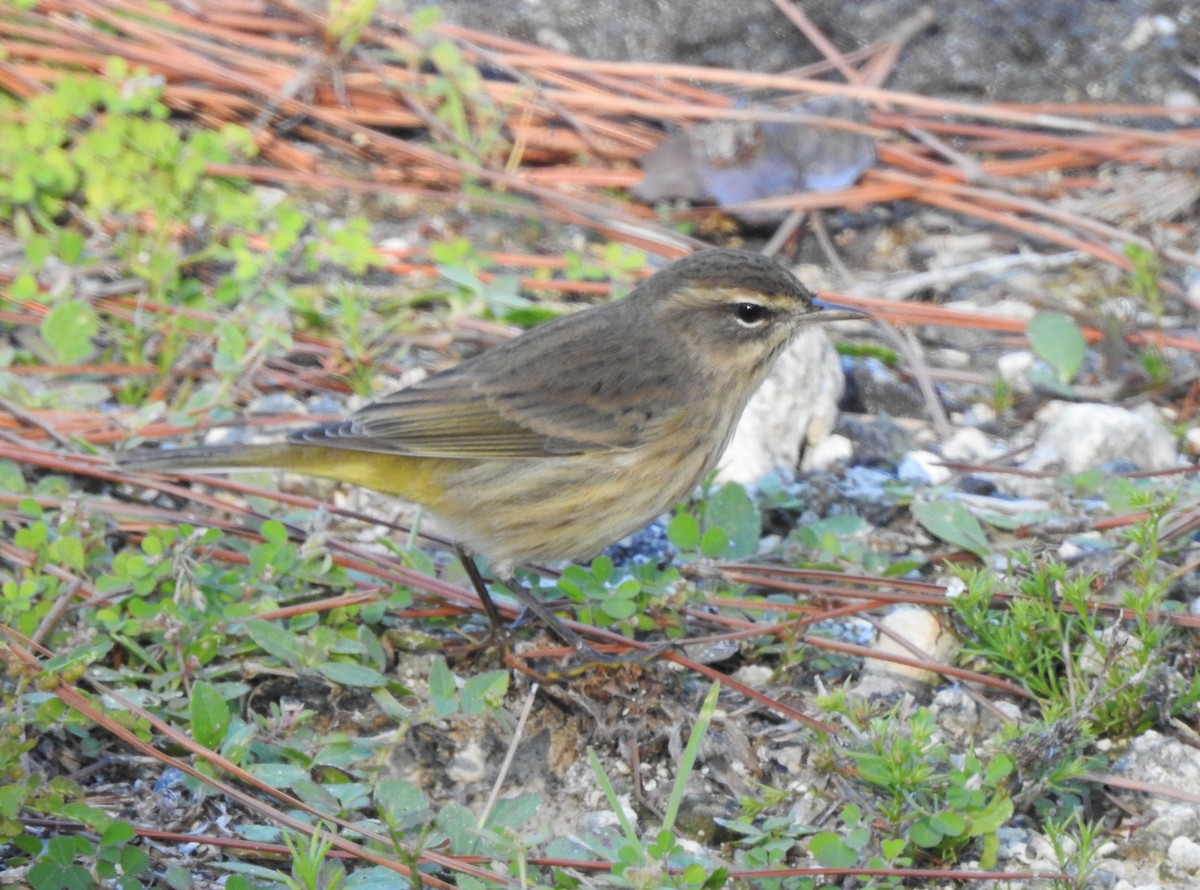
68	329
997	811
117	833
617	608
348	674
1057	340
484	692
279	775
714	543
443	690
231	348
831	851
273	639
12	798
70	246
949	823
513	812
401	800
602	568
987	855
999	767
210	714
730	508
951	521
134	860
684	531
1123	496
274	532
924	834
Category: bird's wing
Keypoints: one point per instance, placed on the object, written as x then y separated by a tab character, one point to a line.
452	423
499	405
445	417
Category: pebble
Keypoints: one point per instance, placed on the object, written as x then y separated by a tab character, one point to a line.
828	453
1013	368
756	676
1191	441
1080	436
468	765
923	468
921	629
1184	853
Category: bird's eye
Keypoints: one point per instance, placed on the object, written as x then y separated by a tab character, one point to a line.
751	314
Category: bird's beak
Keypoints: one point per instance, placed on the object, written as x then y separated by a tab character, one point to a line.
835	311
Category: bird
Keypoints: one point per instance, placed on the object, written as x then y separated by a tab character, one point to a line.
568	437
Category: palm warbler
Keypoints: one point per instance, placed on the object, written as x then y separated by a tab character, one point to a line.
572	435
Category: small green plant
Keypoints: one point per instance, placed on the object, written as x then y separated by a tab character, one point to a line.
348	244
953	523
473	122
1143	280
1003	397
1143	277
345	21
615	259
1056	339
663	862
727	525
938	802
460	265
767	844
1076	843
1156	365
478	694
113	859
1051	636
312	869
606	598
834	540
854	842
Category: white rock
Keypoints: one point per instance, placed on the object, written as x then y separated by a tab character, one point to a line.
971	445
1139	35
1013	367
796	404
1121	645
468	765
1191	441
922	468
1184	853
756	676
1161	760
829	451
956	359
1185	102
1079	436
979	412
921	629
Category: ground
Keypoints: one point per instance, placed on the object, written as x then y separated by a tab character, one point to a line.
1005	485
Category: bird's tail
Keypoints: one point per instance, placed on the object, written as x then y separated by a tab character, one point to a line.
412	478
213	459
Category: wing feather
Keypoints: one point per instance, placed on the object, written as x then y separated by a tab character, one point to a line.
497	405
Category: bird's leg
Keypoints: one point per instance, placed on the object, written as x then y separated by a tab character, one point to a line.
495	619
528	600
581	646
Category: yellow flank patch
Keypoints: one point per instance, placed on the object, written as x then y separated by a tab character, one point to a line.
416	479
